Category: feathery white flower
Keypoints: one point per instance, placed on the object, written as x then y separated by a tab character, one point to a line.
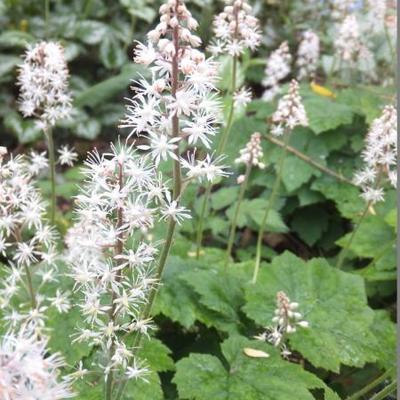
235	29
43	81
67	156
348	42
379	156
27	372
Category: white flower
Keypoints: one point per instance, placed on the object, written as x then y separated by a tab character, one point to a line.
161	147
379	156
28	372
235	29
68	156
43	79
348	42
173	210
242	97
252	154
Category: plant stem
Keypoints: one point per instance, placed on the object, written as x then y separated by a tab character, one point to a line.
370	386
309	160
220	150
389	389
176	195
236	214
343	254
30	287
52	165
390	44
119	248
270	204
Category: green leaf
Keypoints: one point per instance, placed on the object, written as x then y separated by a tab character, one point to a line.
205	377
111	53
90	32
25	129
333	302
254	210
63	326
220	292
15	39
175	299
222	198
374	239
157	355
310	223
325	114
104	90
385	331
295	173
346	196
8	63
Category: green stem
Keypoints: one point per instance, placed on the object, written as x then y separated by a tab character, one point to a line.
309	160
30	287
390	44
231	240
370	386
220	150
270	204
343	254
176	195
52	165
389	389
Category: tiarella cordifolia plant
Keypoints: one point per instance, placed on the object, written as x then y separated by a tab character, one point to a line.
28	372
285	322
251	156
341	8
28	242
289	114
379	156
277	68
44	94
111	262
308	55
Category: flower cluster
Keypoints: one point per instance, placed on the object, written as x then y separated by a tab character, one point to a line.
285	321
235	29
308	55
178	104
111	263
290	112
27	241
348	43
252	154
277	68
27	372
43	79
341	8
380	157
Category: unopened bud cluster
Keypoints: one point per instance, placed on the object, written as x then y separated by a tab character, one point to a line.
379	156
252	154
286	321
290	112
